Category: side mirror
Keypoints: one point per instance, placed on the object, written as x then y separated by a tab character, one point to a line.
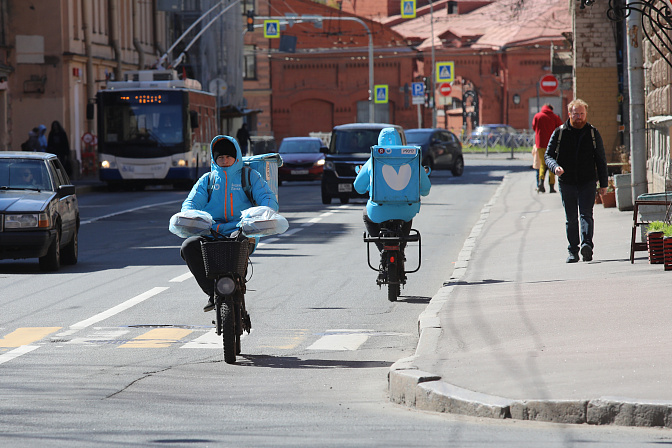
193	118
324	149
428	170
66	190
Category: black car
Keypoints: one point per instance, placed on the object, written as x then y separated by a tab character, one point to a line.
39	213
441	149
350	147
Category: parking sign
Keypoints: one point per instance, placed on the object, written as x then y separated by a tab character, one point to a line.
418	92
445	71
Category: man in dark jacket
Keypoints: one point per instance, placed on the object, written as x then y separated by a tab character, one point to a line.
574	152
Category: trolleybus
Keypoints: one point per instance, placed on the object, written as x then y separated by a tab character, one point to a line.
154	128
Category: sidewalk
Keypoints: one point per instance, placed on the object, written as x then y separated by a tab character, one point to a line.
518	333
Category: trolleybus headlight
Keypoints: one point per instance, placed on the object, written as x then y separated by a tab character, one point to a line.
105	164
225	286
182	162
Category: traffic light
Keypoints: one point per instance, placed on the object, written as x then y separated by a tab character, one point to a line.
250	20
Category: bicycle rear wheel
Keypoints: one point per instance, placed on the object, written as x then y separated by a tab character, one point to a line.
228	330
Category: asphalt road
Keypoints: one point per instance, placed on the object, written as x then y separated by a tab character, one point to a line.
116	350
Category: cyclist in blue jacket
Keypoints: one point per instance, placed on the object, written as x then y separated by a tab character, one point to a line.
220	193
375	214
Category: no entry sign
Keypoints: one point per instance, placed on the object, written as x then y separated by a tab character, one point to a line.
445	89
548	83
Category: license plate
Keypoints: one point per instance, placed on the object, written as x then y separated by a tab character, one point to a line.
299	172
344	188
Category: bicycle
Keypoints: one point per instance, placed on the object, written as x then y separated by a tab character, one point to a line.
226	261
391	270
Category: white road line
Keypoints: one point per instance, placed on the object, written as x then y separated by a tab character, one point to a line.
115	310
341	340
181	278
89	221
17	352
209	340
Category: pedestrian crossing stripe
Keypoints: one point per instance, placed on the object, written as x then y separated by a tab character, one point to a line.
408	9
271	29
445	71
381	93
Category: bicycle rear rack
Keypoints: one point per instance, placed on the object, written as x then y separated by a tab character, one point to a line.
394	241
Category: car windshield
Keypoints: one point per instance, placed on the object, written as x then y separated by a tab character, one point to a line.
299	146
415	137
22	174
354	141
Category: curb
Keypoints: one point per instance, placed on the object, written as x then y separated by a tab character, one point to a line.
411	387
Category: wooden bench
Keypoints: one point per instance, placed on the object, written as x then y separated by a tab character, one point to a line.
636	222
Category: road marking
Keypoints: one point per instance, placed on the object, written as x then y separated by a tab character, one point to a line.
89	221
341	340
181	278
208	340
114	310
102	336
25	336
157	338
288	342
17	352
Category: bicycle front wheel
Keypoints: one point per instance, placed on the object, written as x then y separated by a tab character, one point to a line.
228	330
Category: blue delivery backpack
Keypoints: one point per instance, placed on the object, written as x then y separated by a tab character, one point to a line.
396	174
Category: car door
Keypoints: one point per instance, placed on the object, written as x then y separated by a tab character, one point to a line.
441	149
67	205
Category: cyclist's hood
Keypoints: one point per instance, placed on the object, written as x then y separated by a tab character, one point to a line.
389	136
225	145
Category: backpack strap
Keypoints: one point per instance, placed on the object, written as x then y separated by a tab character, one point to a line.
245	180
557	145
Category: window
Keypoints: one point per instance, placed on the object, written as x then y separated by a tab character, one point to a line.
250	62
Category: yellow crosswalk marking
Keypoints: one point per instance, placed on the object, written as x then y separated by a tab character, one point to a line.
290	341
159	337
26	335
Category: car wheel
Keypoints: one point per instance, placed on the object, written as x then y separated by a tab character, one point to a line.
52	260
458	167
344	199
326	199
71	251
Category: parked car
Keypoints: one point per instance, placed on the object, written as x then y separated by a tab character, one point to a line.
39	212
494	134
302	159
441	149
350	147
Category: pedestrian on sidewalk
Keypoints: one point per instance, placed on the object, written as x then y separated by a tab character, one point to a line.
574	153
243	137
544	123
58	144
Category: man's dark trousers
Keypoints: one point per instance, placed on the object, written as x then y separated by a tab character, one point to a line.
578	201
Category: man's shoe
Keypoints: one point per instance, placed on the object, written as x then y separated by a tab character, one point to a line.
541	188
573	258
552	189
210	305
587	252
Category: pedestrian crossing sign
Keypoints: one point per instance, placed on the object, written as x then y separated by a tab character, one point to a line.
271	29
407	9
381	94
445	71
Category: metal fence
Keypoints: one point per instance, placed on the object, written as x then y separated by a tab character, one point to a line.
520	140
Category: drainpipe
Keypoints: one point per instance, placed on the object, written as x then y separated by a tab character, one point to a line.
136	33
114	38
637	114
90	79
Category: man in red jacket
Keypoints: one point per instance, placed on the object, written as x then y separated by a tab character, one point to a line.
544	123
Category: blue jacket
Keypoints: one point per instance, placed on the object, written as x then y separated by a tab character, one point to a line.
228	199
384	212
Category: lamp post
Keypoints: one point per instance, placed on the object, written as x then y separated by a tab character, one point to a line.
432	98
317	18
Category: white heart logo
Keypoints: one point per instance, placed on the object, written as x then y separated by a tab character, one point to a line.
397	181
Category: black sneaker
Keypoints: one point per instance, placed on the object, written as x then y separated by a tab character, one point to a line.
572	258
587	252
210	305
552	189
541	188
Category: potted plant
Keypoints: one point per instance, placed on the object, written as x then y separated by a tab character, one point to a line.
667	246
654	242
609	198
